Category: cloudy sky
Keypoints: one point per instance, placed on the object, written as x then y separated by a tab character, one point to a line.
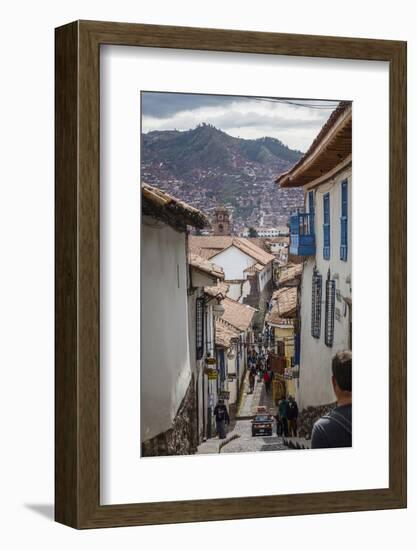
295	122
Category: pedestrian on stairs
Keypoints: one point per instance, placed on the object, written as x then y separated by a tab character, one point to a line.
222	418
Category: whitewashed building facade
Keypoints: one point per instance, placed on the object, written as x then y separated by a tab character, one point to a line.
322	235
169	394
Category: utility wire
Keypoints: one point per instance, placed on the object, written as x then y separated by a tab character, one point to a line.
299	104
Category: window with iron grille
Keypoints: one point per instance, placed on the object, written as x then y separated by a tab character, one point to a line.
316	304
329	313
199	328
344	222
326	226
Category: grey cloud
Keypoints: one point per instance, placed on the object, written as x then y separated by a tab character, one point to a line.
164	104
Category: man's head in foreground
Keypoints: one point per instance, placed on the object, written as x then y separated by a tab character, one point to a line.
342	377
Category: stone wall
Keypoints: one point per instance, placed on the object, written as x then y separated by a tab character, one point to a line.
181	438
308	417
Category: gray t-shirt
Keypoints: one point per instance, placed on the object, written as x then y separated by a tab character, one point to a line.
334	429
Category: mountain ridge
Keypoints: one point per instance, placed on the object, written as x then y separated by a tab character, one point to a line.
207	166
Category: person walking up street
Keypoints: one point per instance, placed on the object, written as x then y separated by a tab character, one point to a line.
222	418
267	381
259	370
251	381
282	412
292	415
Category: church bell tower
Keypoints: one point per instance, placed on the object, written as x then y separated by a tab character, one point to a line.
221	221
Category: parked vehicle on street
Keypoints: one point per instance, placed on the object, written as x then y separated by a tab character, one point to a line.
262	424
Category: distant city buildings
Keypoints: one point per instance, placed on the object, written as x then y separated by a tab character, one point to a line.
281	231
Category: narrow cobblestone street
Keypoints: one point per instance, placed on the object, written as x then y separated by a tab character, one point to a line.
239	439
246	443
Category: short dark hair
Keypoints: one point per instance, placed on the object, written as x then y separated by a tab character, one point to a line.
342	369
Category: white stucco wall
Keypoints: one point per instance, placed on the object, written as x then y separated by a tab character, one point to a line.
234	262
232	384
265	276
315	362
165	361
235	291
238	291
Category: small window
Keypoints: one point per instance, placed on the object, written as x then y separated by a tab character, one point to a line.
316	304
330	310
199	335
326	226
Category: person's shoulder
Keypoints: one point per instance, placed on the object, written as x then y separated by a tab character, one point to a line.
319	433
344	410
322	422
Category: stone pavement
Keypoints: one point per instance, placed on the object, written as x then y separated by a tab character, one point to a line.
239	439
246	443
209	447
251	401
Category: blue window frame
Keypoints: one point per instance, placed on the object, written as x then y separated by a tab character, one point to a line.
311	210
326	226
344	222
297	349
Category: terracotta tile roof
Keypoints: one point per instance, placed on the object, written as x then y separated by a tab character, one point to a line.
335	139
286	298
253	250
253	268
262	242
164	207
289	273
236	314
219	290
216	244
225	333
206	253
204	265
273	317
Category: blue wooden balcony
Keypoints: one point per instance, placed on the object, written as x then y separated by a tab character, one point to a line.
302	237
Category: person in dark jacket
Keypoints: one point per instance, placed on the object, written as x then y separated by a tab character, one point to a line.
282	425
251	381
335	429
222	418
292	415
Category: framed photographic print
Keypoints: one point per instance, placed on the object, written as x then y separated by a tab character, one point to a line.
222	199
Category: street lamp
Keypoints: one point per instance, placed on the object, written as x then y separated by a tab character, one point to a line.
218	310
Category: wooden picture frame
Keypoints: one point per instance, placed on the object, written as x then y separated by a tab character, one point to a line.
77	384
